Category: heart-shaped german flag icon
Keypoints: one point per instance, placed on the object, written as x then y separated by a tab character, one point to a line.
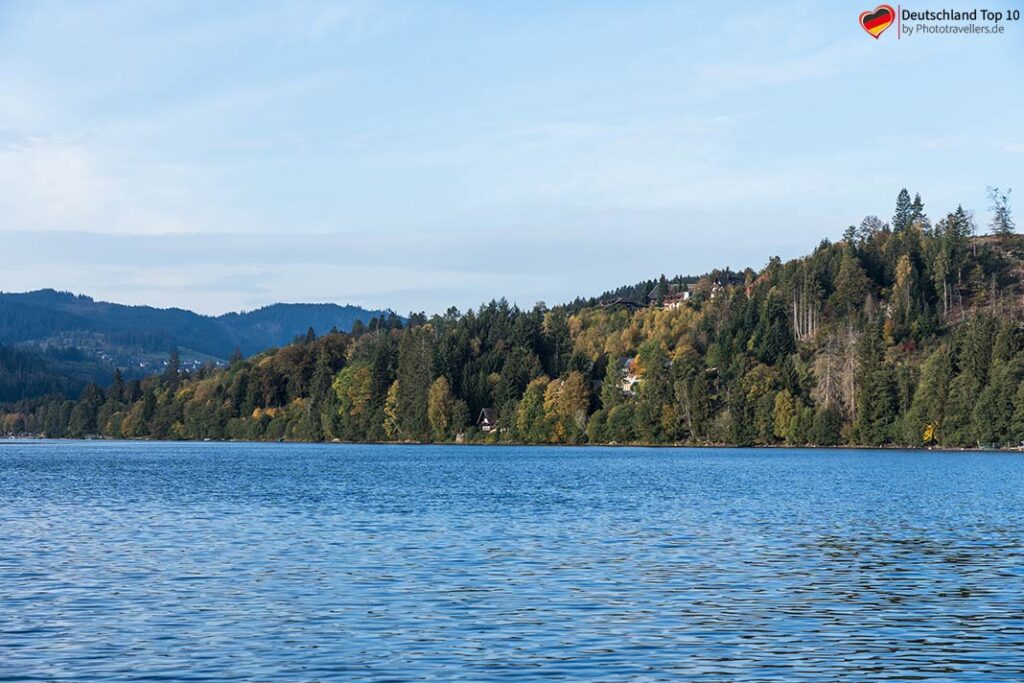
877	20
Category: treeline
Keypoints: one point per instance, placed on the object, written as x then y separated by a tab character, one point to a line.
23	373
905	332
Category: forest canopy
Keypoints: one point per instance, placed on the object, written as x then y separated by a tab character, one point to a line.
904	332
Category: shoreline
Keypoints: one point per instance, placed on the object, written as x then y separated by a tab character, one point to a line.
519	444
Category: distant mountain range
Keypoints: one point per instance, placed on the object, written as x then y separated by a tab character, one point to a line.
78	337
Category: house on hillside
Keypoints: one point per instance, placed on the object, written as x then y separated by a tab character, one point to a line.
677	296
488	420
629	377
672	295
724	280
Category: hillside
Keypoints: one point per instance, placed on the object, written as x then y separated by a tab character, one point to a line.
902	333
87	339
24	374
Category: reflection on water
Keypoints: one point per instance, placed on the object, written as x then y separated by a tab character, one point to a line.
271	562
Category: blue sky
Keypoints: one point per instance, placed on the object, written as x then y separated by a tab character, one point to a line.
416	155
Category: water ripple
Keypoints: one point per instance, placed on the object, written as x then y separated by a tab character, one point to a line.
203	562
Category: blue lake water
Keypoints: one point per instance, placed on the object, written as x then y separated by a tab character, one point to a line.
170	561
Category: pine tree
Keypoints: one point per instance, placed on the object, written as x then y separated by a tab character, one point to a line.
611	388
172	372
415	374
1016	436
917	214
904	215
994	411
319	397
774	333
958	427
826	428
1002	220
852	285
117	391
876	399
928	409
82	421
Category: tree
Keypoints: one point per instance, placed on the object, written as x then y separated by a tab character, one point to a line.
1017	421
531	419
869	228
876	399
904	215
565	408
928	409
825	430
1002	220
353	387
774	333
521	365
852	285
460	416
392	417
82	421
994	410
940	276
958	426
655	392
415	374
619	426
559	342
611	388
692	392
312	427
172	371
917	214
784	414
573	402
440	404
903	288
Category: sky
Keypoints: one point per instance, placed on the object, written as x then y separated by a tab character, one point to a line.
417	155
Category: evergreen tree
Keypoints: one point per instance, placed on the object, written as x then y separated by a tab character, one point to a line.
851	285
415	375
1002	220
876	400
825	431
917	214
172	371
904	215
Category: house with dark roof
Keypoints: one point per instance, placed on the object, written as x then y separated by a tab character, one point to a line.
672	294
488	420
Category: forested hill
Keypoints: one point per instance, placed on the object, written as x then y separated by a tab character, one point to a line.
903	332
86	339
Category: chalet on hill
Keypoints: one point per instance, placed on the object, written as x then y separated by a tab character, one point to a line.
629	378
488	420
672	295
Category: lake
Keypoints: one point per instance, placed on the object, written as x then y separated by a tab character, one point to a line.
209	561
